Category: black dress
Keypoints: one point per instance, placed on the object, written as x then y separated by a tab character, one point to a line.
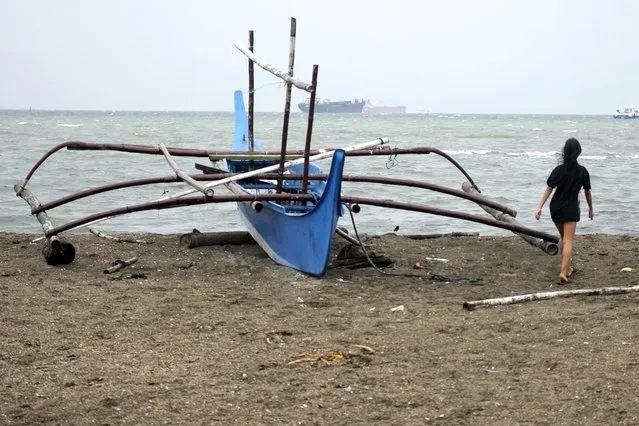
568	181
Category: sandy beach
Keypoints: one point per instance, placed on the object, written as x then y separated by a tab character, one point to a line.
221	335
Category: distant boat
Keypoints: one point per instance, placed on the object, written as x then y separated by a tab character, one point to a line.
374	108
325	105
628	112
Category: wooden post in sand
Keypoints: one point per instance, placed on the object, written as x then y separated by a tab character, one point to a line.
546	246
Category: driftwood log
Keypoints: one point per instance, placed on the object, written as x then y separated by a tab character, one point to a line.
56	251
603	291
120	264
546	246
118	239
433	236
353	257
199	239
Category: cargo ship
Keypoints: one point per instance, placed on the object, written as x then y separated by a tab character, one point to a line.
325	105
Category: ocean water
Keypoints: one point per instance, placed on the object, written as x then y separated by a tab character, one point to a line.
508	156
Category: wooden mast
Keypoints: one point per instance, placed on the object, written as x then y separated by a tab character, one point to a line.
251	94
287	104
309	130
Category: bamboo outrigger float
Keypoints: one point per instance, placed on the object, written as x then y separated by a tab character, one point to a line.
289	204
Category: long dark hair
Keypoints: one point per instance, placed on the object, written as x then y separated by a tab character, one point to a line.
570	153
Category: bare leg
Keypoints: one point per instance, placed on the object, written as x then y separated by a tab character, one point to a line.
560	228
566	254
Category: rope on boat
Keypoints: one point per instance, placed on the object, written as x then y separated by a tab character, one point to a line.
279	83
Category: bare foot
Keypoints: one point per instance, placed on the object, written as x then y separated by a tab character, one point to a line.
572	271
563	279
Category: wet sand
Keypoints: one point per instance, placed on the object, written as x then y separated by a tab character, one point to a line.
223	335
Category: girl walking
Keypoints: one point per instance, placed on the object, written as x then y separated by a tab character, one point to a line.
567	179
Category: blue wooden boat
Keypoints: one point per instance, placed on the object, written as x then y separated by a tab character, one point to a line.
294	235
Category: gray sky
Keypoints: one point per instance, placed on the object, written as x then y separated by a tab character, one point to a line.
488	56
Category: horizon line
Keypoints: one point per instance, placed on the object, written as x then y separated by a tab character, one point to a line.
293	112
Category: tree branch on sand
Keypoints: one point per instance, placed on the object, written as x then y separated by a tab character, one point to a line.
119	239
603	291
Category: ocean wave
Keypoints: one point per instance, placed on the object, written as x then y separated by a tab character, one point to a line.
570	131
533	154
537	129
594	157
469	152
69	125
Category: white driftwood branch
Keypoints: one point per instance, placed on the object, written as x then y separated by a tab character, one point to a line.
33	202
120	264
185	177
603	291
270	68
118	239
274	167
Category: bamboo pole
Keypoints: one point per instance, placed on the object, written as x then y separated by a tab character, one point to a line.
194	152
251	96
547	247
309	131
190	201
185	177
270	68
603	291
275	167
448	213
34	203
56	251
287	104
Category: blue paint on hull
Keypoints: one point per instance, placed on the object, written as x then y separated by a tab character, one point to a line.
299	240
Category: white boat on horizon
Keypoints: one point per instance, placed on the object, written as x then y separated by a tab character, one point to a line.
628	112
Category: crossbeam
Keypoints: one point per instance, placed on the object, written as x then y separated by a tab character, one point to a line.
276	72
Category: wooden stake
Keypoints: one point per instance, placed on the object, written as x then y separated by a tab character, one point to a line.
251	96
287	105
309	131
603	291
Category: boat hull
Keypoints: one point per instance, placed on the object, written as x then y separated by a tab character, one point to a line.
299	237
299	241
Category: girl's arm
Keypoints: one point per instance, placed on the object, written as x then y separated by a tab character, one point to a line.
544	198
591	212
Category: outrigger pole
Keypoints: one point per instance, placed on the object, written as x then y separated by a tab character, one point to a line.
197	200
